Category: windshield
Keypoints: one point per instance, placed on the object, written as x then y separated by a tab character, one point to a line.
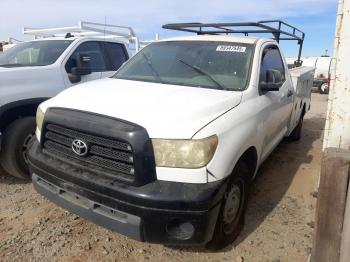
208	64
36	53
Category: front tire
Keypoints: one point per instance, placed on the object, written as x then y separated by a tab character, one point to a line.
13	155
233	208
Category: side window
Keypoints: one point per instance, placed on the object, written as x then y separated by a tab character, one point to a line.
94	51
116	54
271	60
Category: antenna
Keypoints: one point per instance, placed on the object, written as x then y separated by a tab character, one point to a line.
104	37
104	28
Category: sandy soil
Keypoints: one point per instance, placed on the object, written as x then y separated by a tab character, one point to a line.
278	227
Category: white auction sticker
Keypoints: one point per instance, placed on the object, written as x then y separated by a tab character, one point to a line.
231	48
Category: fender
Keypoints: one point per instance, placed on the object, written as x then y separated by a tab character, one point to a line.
16	104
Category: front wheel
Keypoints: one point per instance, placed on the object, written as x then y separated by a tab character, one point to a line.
13	155
233	207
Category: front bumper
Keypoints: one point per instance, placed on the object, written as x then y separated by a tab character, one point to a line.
158	212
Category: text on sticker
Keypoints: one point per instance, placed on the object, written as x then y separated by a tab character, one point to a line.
231	48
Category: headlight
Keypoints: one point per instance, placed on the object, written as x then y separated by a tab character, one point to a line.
184	153
39	118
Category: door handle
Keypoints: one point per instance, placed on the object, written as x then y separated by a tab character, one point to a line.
290	93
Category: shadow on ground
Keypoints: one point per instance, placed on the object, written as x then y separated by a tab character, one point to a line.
7	179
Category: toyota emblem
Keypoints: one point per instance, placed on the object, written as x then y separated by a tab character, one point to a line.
79	147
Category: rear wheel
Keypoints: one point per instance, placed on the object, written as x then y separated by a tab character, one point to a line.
13	155
324	88
233	207
296	134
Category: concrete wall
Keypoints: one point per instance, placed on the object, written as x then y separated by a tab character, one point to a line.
337	133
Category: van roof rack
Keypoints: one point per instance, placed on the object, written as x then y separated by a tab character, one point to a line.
84	28
279	29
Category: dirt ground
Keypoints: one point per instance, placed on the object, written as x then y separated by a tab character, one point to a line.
279	221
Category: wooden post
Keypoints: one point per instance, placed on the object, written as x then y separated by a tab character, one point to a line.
345	245
330	207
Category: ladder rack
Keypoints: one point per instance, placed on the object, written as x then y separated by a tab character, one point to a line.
279	30
84	28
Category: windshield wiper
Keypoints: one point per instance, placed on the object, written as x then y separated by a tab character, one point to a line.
154	71
201	71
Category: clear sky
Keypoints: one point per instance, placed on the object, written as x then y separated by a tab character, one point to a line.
316	18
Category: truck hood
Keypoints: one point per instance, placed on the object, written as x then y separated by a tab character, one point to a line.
166	111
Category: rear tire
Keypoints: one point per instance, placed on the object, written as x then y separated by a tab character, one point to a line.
324	89
233	208
296	134
13	155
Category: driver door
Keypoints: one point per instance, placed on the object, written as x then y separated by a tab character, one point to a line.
279	103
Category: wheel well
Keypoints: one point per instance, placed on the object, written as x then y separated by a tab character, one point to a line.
304	109
250	158
14	113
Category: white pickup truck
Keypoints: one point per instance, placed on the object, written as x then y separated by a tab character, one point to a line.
37	70
165	150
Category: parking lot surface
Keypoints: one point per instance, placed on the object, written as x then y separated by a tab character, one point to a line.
279	221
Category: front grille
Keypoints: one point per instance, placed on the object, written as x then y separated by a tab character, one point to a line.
110	155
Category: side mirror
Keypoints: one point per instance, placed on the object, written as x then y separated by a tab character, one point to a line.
83	68
83	65
74	78
273	81
80	71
